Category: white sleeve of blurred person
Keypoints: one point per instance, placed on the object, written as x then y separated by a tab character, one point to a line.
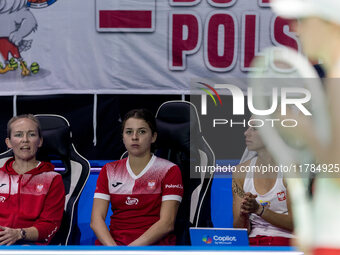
319	32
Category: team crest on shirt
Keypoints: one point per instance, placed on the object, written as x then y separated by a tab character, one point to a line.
131	201
2	199
151	185
281	196
39	187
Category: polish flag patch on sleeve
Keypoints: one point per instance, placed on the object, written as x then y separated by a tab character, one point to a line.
125	16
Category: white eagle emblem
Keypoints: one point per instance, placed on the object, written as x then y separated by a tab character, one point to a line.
39	187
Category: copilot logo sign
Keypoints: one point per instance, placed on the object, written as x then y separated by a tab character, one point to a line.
280	98
206	239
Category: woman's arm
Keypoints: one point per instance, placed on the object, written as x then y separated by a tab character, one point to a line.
162	227
98	225
48	222
9	236
50	218
284	221
241	220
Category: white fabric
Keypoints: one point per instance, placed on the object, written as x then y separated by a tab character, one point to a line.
326	9
75	176
326	210
146	168
102	196
172	197
271	201
74	57
196	193
95	105
15	105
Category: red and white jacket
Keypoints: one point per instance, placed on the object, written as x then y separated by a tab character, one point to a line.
34	199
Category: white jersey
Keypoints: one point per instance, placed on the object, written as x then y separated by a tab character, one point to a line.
275	200
326	217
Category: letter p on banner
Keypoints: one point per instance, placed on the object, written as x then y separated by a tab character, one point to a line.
125	16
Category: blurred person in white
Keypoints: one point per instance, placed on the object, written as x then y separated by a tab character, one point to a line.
318	27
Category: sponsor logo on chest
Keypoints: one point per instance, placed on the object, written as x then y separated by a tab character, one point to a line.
116	184
2	199
131	201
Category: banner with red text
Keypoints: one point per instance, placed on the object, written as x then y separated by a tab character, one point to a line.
131	46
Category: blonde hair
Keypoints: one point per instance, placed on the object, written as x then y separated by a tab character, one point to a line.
23	116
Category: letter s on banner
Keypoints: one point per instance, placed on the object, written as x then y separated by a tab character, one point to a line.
184	2
222	3
185	36
264	3
282	34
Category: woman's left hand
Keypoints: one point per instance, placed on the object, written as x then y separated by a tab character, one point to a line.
249	203
9	236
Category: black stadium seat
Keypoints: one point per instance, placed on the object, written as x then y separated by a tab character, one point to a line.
180	140
57	145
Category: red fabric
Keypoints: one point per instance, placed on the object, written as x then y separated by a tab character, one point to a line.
326	251
269	241
136	202
35	198
7	47
125	19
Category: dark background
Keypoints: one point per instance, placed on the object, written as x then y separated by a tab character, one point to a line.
227	143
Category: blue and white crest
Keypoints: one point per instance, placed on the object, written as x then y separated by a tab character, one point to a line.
37	4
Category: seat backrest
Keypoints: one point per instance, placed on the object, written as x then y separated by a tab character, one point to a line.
75	170
180	140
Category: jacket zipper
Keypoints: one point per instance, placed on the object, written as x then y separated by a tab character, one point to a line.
15	219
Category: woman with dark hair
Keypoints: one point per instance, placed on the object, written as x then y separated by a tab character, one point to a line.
32	195
144	190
